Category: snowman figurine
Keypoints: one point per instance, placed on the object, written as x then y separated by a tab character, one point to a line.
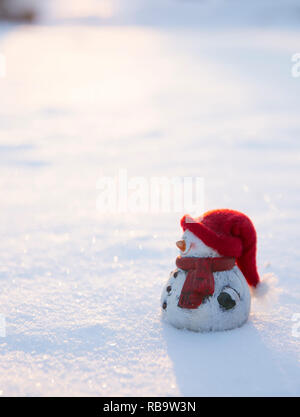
209	290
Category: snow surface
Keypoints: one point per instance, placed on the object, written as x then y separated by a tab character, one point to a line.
80	290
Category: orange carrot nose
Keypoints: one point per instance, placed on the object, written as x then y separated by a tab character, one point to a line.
181	245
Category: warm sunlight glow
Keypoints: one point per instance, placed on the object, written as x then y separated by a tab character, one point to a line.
74	9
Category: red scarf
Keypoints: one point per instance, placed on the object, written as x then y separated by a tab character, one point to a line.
199	282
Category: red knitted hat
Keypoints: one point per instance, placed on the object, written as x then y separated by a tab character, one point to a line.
231	233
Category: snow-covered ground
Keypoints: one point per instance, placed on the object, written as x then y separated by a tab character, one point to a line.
80	290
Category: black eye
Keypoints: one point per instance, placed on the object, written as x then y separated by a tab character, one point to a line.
226	301
228	298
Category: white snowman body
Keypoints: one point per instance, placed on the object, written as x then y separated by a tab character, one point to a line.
210	315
